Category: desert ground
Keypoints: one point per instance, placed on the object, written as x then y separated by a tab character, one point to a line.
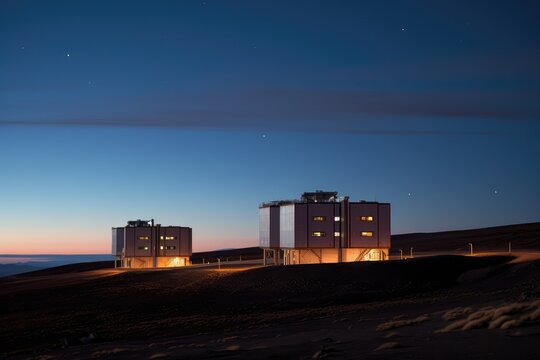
485	306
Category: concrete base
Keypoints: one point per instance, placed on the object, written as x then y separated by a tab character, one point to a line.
162	262
321	256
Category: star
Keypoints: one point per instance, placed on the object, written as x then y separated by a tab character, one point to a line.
264	136
409	194
403	29
67	55
496	192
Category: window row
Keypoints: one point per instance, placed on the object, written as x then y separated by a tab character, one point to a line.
337	233
337	218
146	248
161	237
323	218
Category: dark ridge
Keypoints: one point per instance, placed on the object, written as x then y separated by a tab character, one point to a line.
71	268
522	237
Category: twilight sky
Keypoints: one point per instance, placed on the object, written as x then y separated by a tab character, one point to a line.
194	112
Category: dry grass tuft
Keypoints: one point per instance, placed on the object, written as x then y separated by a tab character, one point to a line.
456	312
158	356
387	346
494	324
503	317
392	324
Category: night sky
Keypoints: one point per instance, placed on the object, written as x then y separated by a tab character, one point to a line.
195	112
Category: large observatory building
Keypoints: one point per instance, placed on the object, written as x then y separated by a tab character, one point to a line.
322	228
141	244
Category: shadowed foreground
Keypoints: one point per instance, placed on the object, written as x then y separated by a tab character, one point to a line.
433	307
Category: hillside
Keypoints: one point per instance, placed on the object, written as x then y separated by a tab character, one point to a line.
522	237
13	269
428	307
249	311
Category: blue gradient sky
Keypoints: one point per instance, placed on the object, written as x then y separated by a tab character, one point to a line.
194	112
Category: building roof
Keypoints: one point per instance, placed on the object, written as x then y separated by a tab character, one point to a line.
318	196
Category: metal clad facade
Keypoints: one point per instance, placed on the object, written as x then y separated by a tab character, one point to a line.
117	241
300	226
361	227
286	225
185	241
269	227
321	228
264	227
130	241
143	241
274	227
170	239
384	225
320	225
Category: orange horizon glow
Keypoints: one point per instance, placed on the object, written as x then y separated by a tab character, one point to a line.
84	243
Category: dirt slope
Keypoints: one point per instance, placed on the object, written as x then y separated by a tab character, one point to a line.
129	307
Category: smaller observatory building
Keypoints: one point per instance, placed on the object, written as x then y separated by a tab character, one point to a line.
141	244
322	228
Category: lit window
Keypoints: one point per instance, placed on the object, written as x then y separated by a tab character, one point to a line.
318	218
143	247
366	218
161	237
170	237
336	233
161	247
143	238
318	234
337	218
367	233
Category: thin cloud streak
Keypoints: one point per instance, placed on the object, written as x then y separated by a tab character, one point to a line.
311	111
147	123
